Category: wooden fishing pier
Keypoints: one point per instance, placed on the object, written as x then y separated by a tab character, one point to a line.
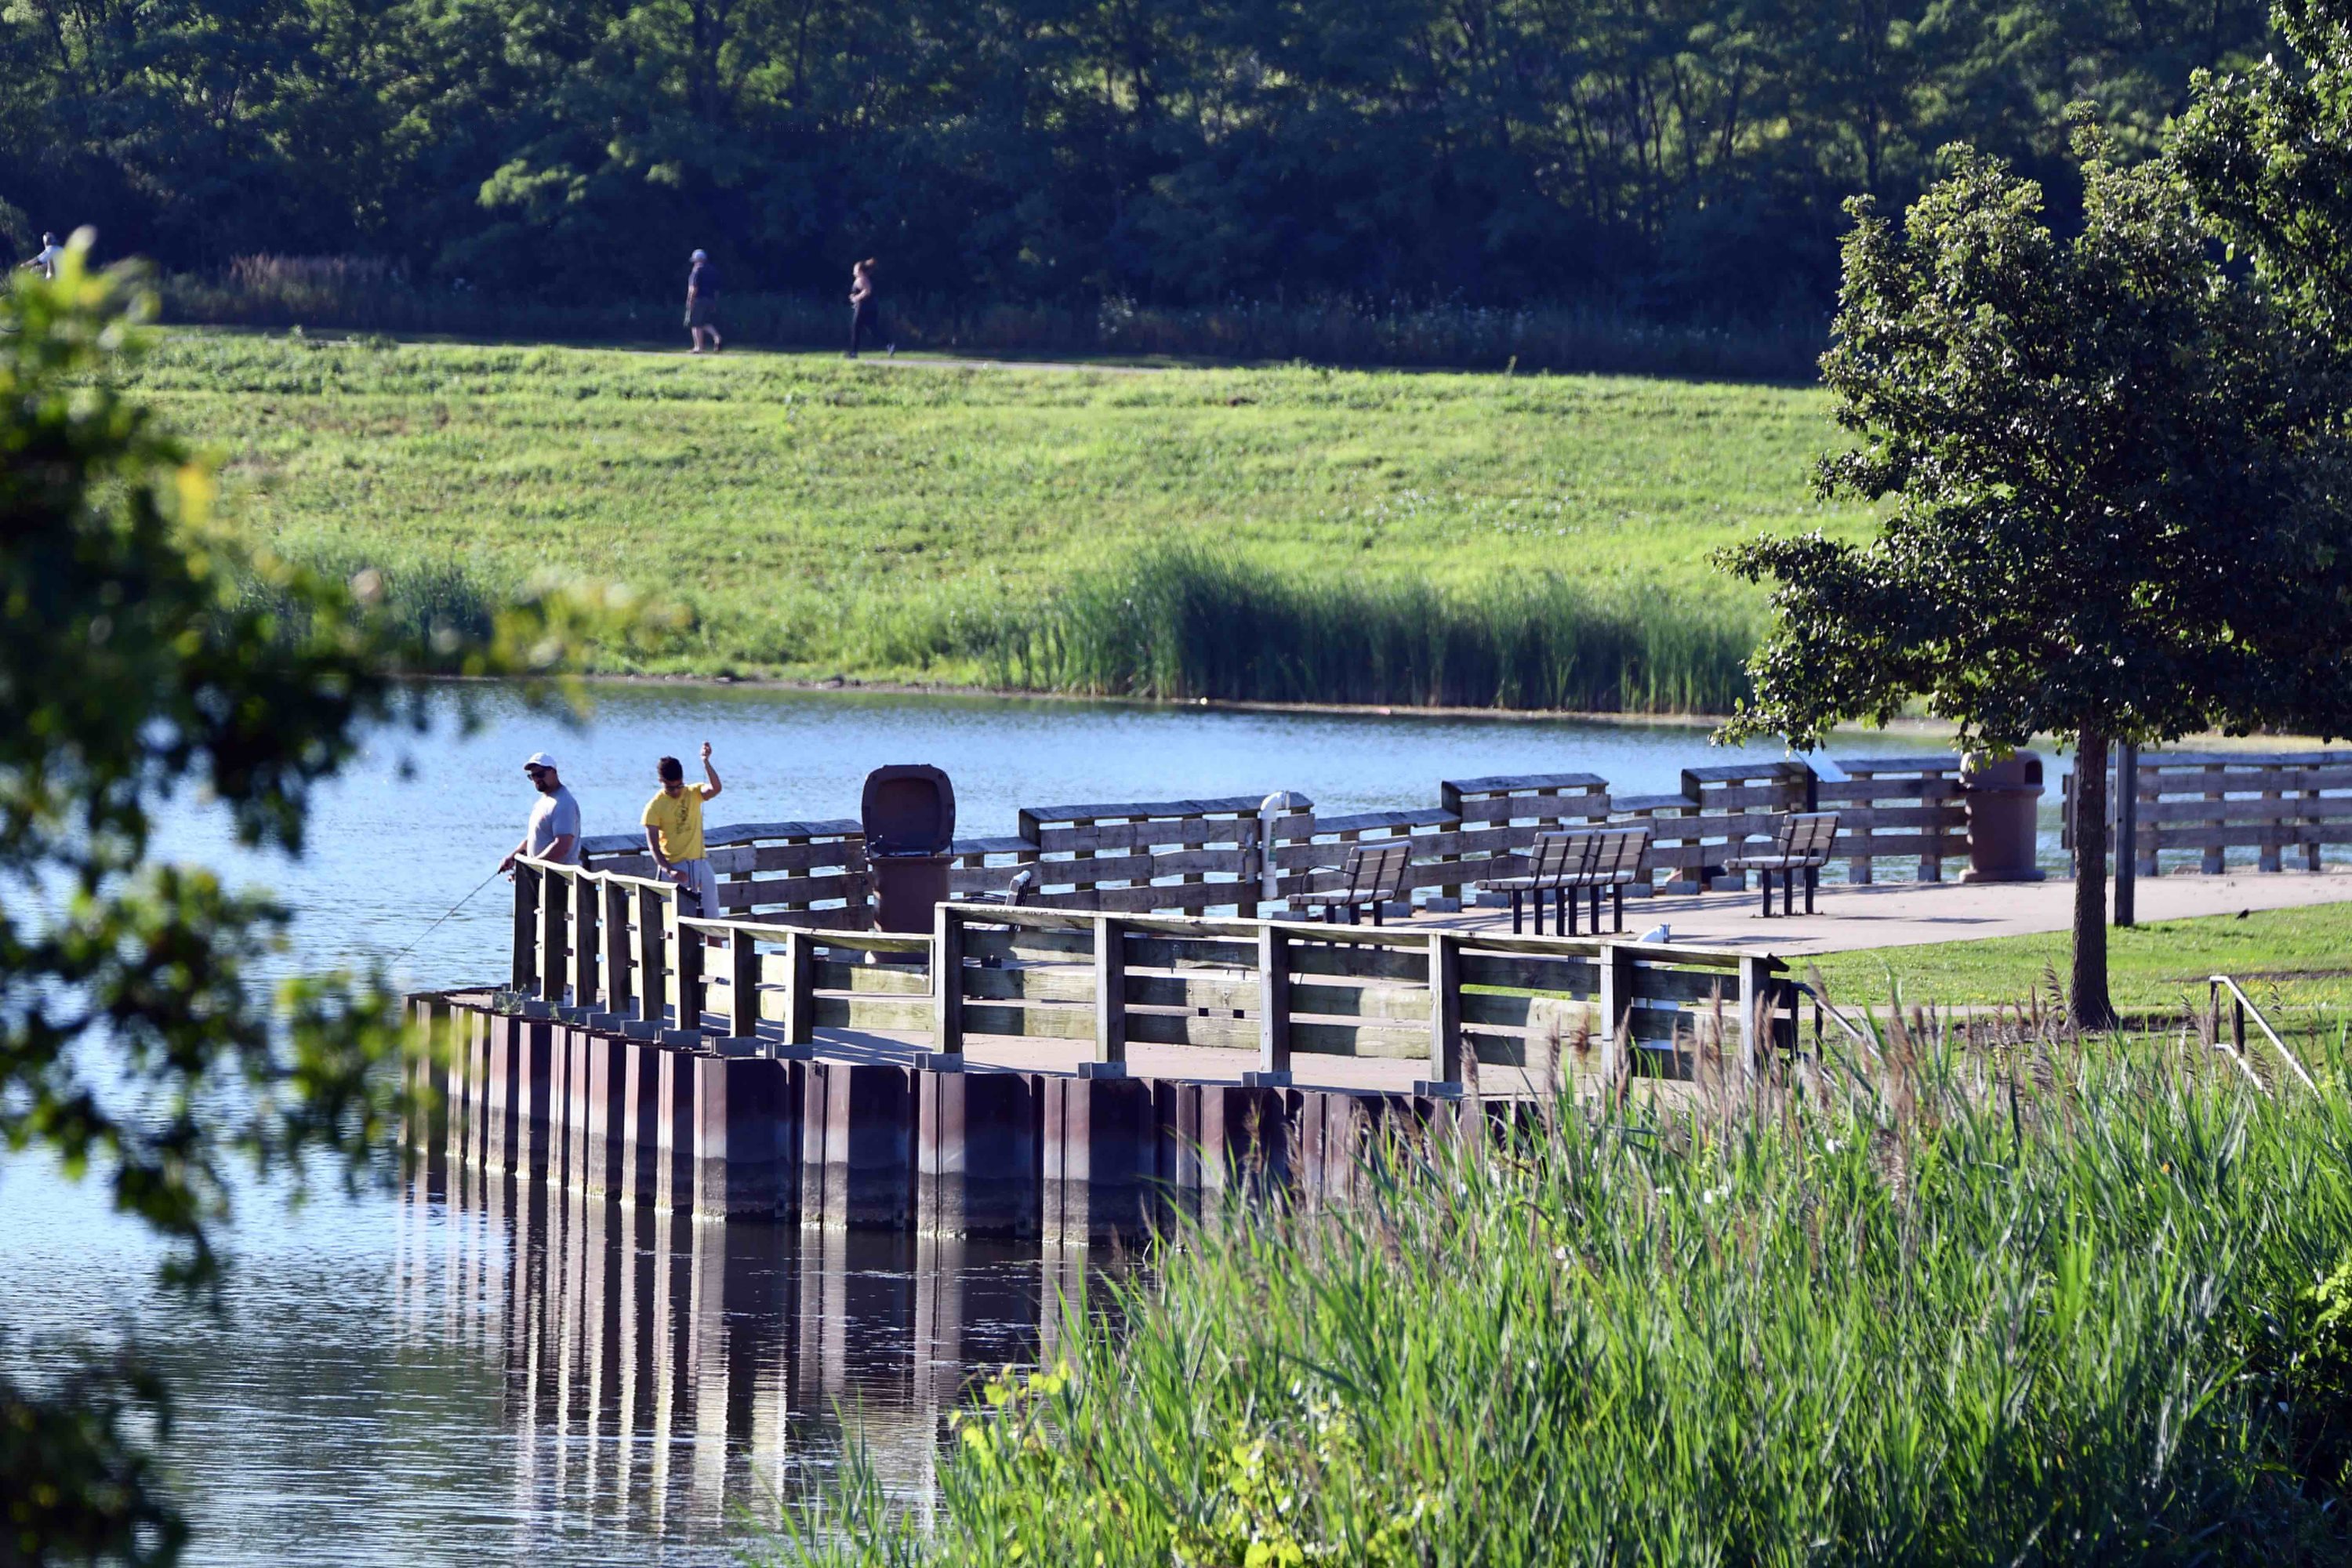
1100	1024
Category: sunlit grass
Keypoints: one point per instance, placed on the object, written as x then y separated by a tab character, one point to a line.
2292	959
821	518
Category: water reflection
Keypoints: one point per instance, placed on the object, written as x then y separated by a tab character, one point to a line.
659	1372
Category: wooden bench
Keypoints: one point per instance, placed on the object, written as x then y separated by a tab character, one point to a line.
1555	858
1374	874
1614	859
1800	843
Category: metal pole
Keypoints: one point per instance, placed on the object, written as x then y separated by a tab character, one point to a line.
2126	830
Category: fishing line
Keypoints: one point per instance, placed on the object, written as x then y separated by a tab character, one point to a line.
453	909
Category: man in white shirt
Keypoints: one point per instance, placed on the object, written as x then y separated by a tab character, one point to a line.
553	833
51	254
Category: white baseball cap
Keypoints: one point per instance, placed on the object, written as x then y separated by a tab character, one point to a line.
540	760
699	255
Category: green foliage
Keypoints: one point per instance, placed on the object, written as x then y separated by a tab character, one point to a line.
1914	1300
136	662
2268	156
1680	158
2116	481
2113	477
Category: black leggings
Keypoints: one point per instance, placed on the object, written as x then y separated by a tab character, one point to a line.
865	320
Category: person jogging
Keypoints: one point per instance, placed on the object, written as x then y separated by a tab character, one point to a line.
702	302
673	824
47	261
553	831
865	310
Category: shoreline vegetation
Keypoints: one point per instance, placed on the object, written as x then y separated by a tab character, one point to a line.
1937	1293
1291	535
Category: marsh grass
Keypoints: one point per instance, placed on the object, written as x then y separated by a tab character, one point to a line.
1932	1292
1184	622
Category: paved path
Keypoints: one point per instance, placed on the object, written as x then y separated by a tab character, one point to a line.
1905	914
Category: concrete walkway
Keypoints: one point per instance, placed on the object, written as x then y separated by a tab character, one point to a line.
1906	914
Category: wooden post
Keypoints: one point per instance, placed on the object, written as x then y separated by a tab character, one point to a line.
1445	1007
1755	1002
1616	967
742	984
587	900
616	950
653	962
1273	1000
800	989
2127	833
525	971
2266	857
689	959
1111	990
2211	860
553	926
947	981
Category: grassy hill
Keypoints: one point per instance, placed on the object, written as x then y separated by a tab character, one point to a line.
1280	532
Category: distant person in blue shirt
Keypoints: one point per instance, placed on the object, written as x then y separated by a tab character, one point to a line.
702	302
553	833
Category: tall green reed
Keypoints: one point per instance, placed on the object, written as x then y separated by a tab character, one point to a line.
1181	622
1922	1299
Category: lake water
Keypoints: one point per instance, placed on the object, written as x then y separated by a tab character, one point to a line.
488	1374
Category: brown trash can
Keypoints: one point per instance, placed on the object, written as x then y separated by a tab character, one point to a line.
908	814
2004	802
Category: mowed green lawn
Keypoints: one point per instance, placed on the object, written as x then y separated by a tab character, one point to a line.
801	504
2298	961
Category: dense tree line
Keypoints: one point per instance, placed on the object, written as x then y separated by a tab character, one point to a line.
1679	157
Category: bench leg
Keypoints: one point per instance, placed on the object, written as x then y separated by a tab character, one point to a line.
1517	928
1616	909
1596	910
1767	895
1563	901
1812	878
1376	910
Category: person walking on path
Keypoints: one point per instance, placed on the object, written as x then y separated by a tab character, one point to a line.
51	254
553	831
673	824
865	310
702	302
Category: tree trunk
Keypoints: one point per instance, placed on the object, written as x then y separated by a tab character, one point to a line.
2090	1006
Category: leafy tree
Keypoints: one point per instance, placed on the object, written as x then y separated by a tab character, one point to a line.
2268	156
146	651
2110	477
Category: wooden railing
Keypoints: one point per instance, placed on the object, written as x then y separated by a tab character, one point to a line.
2207	805
1191	856
610	942
1278	989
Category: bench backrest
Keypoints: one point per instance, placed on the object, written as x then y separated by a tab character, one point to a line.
1376	871
1617	855
1559	857
1807	836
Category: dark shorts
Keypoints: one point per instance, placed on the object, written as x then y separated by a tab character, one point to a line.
702	313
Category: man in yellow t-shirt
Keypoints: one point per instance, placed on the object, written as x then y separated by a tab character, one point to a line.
673	823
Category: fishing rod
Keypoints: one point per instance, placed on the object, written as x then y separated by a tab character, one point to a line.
452	909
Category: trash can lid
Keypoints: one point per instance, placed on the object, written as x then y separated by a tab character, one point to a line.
908	809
